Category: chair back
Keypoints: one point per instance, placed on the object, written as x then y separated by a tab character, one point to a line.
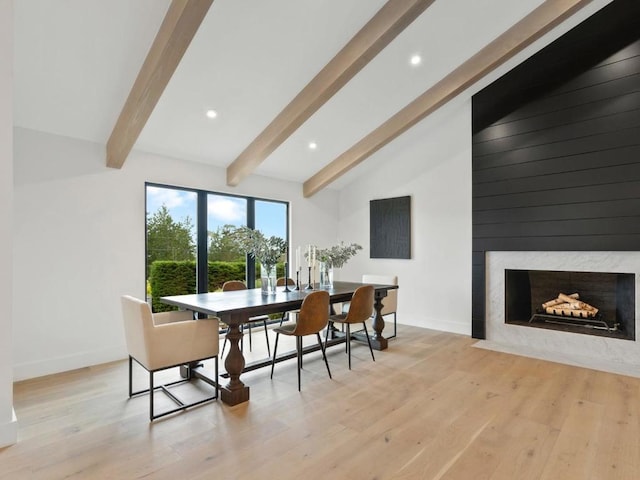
138	325
233	285
390	302
361	307
314	313
280	282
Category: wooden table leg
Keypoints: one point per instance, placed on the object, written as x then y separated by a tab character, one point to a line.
378	342
234	392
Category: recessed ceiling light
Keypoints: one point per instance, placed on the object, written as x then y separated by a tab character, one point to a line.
415	60
212	114
313	145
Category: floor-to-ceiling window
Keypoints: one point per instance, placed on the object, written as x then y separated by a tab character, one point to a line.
171	247
271	218
190	245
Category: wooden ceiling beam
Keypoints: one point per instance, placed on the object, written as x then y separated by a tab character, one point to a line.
385	25
522	34
178	28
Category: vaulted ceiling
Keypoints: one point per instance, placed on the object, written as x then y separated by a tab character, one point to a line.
255	63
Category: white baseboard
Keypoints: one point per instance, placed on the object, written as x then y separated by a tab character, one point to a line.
462	328
454	327
25	371
9	432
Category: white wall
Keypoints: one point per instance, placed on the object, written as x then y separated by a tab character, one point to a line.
434	168
8	425
79	243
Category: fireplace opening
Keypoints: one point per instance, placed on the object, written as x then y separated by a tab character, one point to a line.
592	303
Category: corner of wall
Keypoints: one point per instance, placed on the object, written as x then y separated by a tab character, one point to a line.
9	432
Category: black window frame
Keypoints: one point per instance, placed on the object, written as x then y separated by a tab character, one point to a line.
202	235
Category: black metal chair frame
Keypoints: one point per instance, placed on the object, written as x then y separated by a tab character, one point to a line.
165	387
349	336
299	354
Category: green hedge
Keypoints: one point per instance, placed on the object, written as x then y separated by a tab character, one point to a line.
171	278
179	278
220	272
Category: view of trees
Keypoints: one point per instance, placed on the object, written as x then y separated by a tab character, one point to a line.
168	239
173	241
222	246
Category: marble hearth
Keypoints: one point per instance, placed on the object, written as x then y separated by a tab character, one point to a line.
598	352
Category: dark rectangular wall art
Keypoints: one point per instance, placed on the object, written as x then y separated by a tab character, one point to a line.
390	228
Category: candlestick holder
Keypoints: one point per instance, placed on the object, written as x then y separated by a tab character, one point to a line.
309	285
286	277
297	280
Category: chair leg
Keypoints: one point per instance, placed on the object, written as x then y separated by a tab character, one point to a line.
216	376
323	354
299	355
249	328
394	324
275	350
151	396
348	340
130	376
266	334
368	340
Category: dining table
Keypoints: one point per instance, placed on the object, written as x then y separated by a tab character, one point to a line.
237	307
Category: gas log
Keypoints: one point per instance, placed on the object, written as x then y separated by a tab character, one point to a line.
569	306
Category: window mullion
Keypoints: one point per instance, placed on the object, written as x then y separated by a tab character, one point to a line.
202	238
251	223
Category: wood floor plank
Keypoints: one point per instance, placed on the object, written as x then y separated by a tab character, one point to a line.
575	449
431	407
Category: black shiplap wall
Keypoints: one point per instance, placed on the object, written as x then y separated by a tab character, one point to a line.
562	171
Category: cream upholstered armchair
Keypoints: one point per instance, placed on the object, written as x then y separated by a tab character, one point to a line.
165	340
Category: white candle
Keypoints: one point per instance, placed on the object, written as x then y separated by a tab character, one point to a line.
309	256
298	264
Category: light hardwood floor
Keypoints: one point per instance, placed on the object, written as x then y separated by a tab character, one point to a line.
432	406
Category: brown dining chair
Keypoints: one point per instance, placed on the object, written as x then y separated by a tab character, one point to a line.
360	310
280	282
233	285
165	340
312	318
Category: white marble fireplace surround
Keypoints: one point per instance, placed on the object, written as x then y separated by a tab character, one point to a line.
600	353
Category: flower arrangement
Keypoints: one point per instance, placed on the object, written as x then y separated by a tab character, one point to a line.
337	255
266	250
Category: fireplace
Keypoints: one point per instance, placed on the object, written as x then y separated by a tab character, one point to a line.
563	344
591	303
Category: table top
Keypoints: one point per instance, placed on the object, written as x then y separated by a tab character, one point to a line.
252	302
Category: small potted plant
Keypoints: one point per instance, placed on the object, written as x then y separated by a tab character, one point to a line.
267	251
334	257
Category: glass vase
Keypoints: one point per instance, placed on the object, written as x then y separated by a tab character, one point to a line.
326	275
268	279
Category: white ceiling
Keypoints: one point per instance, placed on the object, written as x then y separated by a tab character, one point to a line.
76	60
